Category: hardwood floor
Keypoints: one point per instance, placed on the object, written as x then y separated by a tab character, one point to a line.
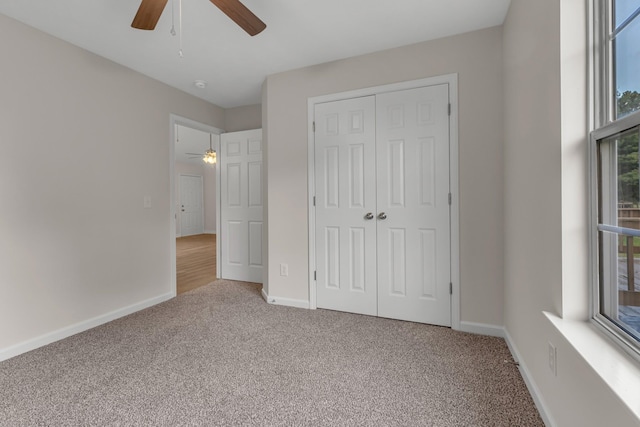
195	261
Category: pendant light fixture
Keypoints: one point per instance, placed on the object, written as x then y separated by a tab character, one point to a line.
210	156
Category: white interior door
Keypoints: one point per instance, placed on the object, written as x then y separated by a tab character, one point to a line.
241	206
345	205
191	205
382	205
413	205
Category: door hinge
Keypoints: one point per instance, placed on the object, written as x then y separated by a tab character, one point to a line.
450	288
314	126
314	275
449	198
314	200
449	109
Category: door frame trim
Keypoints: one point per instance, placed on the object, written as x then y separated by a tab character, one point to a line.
452	81
174	120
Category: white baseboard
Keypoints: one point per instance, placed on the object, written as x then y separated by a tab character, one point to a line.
209	231
288	302
48	338
531	385
482	329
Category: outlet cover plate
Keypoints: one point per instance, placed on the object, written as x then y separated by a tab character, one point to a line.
553	359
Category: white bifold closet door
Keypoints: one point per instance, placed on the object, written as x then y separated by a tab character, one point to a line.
345	175
382	205
241	206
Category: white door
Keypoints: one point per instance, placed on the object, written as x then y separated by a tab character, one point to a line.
241	206
388	156
345	205
413	205
191	206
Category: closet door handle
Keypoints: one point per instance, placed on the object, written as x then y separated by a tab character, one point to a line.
369	215
382	215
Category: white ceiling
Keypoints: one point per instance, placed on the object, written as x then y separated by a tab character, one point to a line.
299	33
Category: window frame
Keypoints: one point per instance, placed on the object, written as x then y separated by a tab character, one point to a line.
603	124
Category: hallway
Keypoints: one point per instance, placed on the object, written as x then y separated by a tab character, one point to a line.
195	261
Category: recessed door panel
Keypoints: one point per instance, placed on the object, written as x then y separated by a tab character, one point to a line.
397	260
255	243
356	121
234	185
235	237
254	145
428	174
396	159
233	148
395	115
332	177
331	124
357	260
429	273
356	175
332	246
255	184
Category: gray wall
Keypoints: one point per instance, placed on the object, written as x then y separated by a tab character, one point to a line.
243	118
477	58
83	141
545	85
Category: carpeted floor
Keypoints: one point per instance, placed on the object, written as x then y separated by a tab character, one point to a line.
219	355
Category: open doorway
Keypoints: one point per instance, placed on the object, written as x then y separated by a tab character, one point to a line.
195	205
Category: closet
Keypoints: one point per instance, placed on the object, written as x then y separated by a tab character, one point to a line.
382	205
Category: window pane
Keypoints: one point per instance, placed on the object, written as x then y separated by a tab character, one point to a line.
620	301
626	47
624	9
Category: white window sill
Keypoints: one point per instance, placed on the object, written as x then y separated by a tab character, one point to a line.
616	368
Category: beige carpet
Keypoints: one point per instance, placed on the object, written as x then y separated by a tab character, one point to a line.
219	355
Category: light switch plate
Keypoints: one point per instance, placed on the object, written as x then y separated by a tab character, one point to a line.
284	269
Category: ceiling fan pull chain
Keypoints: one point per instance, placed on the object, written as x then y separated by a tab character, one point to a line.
173	18
180	25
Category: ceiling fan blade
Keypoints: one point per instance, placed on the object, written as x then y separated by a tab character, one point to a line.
241	16
195	154
148	14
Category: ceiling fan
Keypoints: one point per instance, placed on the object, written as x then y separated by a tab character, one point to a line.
150	10
209	156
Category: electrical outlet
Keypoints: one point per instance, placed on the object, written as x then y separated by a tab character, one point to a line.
553	359
284	270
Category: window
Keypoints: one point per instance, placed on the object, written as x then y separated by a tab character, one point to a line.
615	169
625	52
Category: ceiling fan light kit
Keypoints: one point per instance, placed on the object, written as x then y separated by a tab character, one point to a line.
210	157
150	10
